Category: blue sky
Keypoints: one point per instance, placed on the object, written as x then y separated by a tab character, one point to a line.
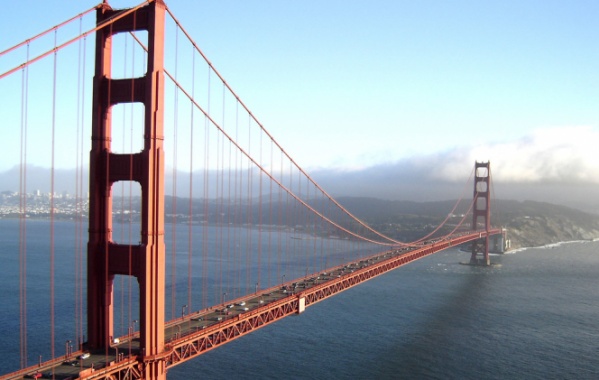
379	82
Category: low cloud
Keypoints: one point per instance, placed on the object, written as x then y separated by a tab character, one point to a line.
557	165
556	155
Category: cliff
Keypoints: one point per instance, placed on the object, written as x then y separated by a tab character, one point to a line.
532	224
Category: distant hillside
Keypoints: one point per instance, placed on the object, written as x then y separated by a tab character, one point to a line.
532	224
529	223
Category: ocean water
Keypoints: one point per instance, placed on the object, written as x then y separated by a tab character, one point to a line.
533	315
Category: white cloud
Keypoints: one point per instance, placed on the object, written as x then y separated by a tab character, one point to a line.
565	154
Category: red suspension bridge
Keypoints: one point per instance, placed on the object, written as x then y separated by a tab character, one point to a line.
200	227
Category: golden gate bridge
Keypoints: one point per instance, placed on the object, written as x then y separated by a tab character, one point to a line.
200	227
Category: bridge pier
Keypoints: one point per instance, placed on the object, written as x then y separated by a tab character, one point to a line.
481	213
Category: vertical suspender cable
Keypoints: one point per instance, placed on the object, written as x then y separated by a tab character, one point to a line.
280	212
317	227
221	196
52	336
79	180
22	219
291	219
270	217
280	220
310	222
236	194
221	182
301	217
205	245
248	248
230	215
79	337
260	211
204	221
190	210
229	205
314	241
218	210
174	191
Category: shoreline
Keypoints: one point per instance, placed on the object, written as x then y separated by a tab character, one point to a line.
551	245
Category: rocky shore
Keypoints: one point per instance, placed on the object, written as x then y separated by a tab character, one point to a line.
533	224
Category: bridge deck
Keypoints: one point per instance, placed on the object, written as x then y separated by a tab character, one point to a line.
199	332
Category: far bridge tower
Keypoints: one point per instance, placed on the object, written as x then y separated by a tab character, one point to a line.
481	212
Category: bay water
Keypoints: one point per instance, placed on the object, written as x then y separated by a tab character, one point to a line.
533	315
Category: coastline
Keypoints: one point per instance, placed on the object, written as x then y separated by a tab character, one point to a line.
551	245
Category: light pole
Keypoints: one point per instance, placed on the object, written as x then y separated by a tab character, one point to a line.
114	344
223	298
132	327
67	349
256	288
183	310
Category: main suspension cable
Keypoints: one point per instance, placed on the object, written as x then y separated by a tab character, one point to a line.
56	48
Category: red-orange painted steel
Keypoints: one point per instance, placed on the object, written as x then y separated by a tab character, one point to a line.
105	258
481	209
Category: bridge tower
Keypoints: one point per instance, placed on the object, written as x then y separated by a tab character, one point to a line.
481	213
145	261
